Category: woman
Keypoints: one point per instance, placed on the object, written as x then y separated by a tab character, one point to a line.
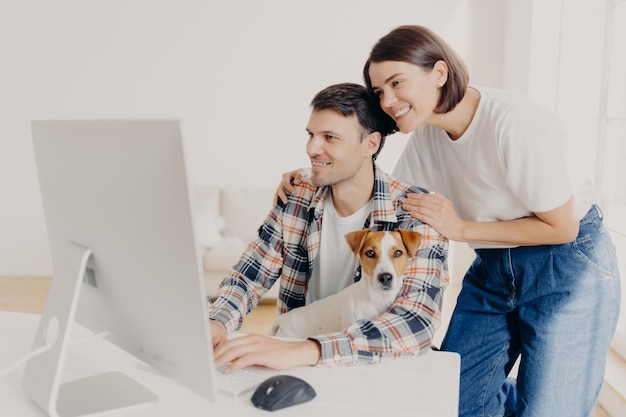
544	285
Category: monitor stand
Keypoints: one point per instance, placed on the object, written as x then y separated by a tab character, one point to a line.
94	395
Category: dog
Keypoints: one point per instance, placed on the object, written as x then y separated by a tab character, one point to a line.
383	256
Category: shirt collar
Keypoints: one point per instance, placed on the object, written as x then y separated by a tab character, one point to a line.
383	210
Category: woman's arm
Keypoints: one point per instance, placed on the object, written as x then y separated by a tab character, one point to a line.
556	226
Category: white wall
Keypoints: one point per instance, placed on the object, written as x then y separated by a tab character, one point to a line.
239	75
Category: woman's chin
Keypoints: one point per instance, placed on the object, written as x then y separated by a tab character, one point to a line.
405	127
409	124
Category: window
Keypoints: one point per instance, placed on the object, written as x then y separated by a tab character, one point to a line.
588	91
612	163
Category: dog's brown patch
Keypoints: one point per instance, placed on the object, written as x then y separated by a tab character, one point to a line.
368	245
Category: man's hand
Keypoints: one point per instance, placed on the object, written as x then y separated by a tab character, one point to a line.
218	333
249	350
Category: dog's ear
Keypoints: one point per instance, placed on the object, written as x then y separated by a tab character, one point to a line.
411	240
355	240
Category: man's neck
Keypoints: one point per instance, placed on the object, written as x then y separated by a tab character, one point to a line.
350	196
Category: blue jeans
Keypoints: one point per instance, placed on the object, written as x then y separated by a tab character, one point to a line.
555	307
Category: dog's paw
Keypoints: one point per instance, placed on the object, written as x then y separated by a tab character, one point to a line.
274	327
272	331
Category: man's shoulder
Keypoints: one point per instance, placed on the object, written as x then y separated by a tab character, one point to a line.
305	188
399	188
302	196
396	191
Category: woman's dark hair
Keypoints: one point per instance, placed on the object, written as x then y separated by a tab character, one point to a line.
353	99
420	46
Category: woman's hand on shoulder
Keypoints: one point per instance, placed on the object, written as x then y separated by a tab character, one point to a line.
436	211
289	179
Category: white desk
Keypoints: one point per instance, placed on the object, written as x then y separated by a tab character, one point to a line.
423	386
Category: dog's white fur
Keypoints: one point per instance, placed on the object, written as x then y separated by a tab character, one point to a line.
383	257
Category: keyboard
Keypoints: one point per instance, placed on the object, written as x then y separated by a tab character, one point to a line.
240	382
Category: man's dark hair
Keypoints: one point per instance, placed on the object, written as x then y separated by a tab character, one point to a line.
353	99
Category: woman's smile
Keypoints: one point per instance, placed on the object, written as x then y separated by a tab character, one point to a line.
401	112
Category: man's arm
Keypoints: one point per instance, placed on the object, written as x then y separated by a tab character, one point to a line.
408	327
257	270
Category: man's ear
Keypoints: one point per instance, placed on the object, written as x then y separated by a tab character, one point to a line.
373	142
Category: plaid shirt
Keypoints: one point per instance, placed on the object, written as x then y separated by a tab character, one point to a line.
285	250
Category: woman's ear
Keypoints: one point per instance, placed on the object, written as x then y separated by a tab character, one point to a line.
440	72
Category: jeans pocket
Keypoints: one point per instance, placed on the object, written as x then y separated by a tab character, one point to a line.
595	250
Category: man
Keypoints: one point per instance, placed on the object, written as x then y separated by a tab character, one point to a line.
301	245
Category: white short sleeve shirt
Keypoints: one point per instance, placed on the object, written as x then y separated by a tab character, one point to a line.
509	163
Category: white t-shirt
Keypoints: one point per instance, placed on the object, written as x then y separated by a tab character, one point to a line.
509	163
334	267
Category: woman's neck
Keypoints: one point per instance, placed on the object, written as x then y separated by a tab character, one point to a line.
456	121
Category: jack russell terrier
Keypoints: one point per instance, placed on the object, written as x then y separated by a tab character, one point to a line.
383	256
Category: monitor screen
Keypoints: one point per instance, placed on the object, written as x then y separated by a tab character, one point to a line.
118	213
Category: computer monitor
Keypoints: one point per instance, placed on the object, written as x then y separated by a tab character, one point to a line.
118	213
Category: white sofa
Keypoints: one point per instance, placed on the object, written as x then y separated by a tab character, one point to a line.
227	218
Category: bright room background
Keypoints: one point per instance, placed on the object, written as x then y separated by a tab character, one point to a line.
240	76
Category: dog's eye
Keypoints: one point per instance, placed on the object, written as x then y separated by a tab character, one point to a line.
398	253
370	253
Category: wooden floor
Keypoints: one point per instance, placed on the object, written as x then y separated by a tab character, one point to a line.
28	295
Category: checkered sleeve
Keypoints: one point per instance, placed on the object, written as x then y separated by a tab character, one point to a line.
257	270
279	253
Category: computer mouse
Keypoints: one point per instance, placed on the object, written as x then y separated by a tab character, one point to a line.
282	391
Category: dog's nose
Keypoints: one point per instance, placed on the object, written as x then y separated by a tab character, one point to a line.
385	279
